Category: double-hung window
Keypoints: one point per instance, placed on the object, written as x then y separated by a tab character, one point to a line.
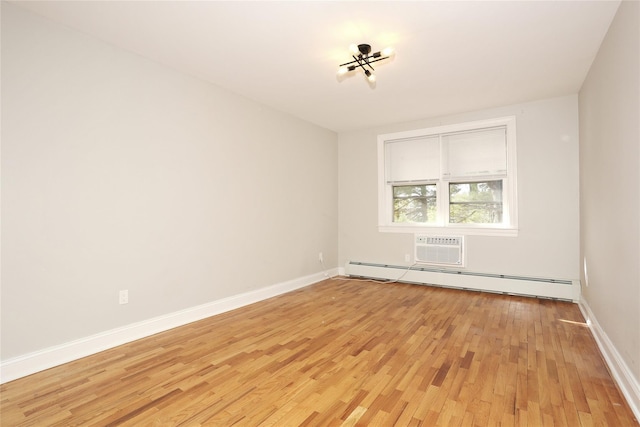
458	178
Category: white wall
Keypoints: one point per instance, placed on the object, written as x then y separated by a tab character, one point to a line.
547	157
118	173
610	187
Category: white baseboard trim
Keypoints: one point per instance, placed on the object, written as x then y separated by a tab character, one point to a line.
37	361
628	384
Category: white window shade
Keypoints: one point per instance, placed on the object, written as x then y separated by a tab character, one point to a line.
475	154
412	160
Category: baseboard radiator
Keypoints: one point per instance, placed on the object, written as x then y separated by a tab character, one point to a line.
568	290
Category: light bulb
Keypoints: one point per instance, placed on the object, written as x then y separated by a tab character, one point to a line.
370	76
387	51
354	49
343	70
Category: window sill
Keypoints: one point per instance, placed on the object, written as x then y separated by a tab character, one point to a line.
449	231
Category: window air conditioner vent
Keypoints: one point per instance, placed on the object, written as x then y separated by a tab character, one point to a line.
439	250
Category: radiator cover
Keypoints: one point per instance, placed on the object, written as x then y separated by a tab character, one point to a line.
563	289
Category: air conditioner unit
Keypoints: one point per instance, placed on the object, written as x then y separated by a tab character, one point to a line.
439	250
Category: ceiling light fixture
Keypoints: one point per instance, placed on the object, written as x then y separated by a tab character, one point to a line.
363	58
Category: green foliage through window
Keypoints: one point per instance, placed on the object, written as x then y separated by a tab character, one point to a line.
415	203
475	202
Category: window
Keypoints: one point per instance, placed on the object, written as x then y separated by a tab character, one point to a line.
475	202
460	177
414	203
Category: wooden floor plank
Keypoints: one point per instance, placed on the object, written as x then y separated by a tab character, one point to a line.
342	353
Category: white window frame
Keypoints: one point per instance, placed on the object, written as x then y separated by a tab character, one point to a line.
509	227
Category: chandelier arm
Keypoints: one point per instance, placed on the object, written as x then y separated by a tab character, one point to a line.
346	63
369	64
360	63
378	59
371	61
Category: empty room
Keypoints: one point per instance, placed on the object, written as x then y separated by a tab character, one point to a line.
322	213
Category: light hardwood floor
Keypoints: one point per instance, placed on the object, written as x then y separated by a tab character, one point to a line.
342	353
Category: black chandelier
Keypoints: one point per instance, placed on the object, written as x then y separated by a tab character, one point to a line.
363	58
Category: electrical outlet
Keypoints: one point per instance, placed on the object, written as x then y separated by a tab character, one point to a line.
320	257
407	258
124	297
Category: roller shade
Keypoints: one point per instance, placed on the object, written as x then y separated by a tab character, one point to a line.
410	160
475	154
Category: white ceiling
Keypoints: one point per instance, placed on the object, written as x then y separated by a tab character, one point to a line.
451	56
